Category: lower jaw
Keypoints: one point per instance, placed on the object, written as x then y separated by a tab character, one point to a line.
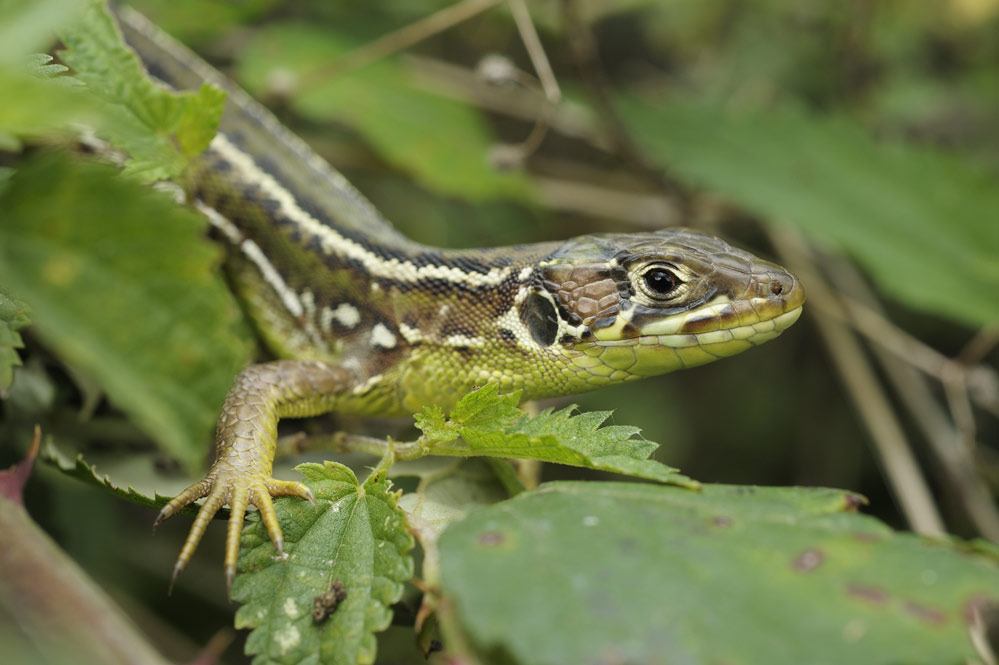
651	355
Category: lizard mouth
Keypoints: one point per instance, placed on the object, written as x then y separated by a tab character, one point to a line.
718	329
756	332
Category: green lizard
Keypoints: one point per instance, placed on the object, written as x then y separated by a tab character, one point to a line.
369	322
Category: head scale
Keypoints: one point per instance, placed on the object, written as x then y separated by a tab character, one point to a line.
617	307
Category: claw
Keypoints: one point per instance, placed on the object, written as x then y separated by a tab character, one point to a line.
211	506
237	510
290	488
185	498
177	567
238	490
262	500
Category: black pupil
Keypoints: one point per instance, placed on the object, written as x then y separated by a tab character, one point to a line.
660	280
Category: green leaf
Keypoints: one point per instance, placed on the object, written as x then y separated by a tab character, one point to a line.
28	26
42	106
13	317
200	23
39	65
615	572
87	473
122	286
448	489
491	424
921	222
357	537
161	130
444	144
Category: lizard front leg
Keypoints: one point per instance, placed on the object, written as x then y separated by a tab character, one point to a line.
244	450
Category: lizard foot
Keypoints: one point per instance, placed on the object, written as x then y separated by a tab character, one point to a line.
238	488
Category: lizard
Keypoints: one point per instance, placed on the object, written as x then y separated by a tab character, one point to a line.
366	321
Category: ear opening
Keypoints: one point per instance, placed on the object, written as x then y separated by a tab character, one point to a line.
541	319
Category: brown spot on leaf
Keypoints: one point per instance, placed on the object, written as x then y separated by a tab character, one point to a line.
491	538
925	614
871	594
851	502
627	545
808	560
325	604
862	537
722	522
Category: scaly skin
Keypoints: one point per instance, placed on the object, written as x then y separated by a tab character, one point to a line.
244	450
369	322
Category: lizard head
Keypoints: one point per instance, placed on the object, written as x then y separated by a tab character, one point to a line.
618	307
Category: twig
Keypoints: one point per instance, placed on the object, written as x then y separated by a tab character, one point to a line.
899	359
513	155
980	345
898	462
344	442
583	49
396	41
465	85
535	51
881	332
635	208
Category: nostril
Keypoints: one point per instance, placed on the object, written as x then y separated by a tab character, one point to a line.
776	288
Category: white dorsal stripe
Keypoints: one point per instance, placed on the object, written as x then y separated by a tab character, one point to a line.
334	243
228	229
272	277
252	251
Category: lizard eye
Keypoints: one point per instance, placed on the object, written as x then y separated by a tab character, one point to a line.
660	282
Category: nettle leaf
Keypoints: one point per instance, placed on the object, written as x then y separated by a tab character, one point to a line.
580	572
13	317
27	25
46	102
448	489
161	130
355	545
122	286
491	424
81	470
39	65
444	144
920	221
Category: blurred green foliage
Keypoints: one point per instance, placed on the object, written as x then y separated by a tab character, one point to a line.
872	126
